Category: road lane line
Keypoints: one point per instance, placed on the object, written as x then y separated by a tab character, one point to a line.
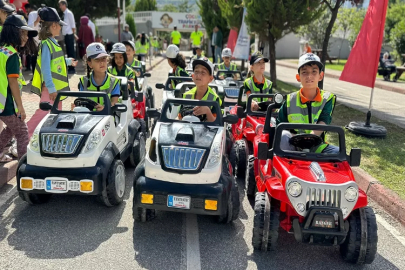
5	197
193	243
391	229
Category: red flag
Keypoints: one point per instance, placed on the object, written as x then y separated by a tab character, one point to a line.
361	67
233	36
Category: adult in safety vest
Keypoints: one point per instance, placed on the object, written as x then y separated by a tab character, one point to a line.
98	79
15	34
50	74
203	74
142	47
176	61
256	83
175	37
196	38
309	105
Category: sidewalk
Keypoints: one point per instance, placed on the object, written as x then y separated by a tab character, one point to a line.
31	103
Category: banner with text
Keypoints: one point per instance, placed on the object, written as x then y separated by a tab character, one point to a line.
183	21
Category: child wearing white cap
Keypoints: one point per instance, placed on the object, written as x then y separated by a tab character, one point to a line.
118	62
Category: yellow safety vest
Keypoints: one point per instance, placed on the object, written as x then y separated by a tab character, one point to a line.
177	73
58	69
298	112
254	90
129	73
176	36
108	86
196	37
210	95
5	53
232	67
141	49
136	63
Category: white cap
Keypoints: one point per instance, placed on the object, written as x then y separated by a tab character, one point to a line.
118	48
204	62
96	50
226	52
309	58
172	51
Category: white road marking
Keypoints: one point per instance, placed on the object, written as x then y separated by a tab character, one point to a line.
193	243
391	229
5	197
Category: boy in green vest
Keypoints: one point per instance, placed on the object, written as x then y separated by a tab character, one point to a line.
309	105
226	65
203	74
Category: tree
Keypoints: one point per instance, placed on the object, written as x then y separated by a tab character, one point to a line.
184	6
145	5
129	19
212	16
333	6
275	19
395	14
232	11
169	8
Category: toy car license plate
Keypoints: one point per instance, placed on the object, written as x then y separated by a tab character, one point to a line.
56	185
181	202
324	221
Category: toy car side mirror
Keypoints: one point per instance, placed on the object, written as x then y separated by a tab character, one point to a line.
160	86
147	74
139	96
119	108
240	112
153	113
243	73
45	106
231	119
355	157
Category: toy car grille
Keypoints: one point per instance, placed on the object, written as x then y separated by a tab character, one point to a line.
182	158
63	144
232	92
323	197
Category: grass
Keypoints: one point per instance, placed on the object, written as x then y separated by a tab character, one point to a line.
383	159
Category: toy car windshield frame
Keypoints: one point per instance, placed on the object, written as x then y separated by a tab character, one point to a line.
229	72
341	156
248	109
83	94
178	101
177	79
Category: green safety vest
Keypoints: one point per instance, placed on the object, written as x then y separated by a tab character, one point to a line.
210	95
128	72
232	67
176	36
195	57
298	112
58	69
155	43
108	86
5	53
177	73
141	49
196	37
135	63
254	90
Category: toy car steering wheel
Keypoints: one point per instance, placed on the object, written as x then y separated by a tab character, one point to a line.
85	102
305	141
188	110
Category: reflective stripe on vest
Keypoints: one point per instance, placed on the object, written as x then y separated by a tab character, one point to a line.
232	67
210	95
298	112
5	53
254	90
58	69
108	86
128	72
136	63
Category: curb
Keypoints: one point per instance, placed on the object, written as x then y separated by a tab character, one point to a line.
334	76
8	170
385	197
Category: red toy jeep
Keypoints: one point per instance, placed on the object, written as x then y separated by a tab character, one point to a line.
311	195
247	133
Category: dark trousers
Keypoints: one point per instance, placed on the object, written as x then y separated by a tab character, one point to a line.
70	47
213	53
194	51
31	62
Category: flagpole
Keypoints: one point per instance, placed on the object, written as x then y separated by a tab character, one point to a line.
369	108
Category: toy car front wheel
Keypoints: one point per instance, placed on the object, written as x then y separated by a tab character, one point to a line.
266	222
33	198
113	194
250	177
360	245
238	157
138	149
233	207
142	214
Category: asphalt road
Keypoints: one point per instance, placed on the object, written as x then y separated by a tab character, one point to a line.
78	233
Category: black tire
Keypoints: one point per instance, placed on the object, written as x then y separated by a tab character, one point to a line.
113	193
33	198
240	158
259	220
351	247
233	208
143	215
138	149
250	177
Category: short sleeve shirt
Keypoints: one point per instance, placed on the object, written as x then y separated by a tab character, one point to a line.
176	36
196	37
13	71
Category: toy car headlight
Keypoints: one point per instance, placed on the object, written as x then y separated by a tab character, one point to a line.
215	155
351	194
93	140
34	142
294	189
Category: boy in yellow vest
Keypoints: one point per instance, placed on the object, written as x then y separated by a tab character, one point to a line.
309	105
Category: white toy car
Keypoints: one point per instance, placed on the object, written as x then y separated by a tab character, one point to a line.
186	168
82	151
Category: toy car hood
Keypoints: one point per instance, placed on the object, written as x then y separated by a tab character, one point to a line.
75	123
